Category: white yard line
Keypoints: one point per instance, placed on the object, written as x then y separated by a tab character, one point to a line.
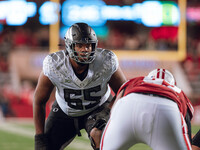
8	127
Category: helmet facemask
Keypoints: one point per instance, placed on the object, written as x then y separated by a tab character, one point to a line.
81	33
88	56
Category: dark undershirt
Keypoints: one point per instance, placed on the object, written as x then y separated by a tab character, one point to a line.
82	75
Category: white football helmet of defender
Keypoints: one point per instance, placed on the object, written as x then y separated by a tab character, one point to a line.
81	33
162	74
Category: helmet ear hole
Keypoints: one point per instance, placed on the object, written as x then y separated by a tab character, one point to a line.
72	46
94	46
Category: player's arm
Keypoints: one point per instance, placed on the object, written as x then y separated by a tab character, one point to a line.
196	141
195	147
116	81
41	96
120	95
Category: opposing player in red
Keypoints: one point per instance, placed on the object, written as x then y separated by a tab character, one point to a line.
150	110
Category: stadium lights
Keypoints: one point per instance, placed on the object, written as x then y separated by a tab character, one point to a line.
48	13
16	12
95	12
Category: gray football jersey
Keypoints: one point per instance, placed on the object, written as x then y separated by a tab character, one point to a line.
76	97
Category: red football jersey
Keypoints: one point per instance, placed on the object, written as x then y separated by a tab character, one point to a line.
158	87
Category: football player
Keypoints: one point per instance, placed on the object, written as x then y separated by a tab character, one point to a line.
82	75
150	110
196	141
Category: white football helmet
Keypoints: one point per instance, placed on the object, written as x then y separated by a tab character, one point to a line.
162	74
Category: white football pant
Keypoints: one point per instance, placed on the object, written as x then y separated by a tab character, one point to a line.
152	120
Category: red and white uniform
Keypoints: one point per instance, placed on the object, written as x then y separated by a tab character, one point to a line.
151	111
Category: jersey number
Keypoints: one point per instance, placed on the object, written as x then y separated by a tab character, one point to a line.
76	103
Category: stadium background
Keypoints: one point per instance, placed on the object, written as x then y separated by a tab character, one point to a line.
142	36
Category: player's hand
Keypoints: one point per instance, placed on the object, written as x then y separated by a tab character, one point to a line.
41	142
195	147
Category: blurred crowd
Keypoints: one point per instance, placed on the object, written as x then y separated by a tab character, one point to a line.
16	39
132	37
191	66
10	98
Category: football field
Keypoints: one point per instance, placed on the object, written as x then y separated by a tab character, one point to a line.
18	135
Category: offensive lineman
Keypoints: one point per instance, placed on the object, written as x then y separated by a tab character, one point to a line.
149	110
82	75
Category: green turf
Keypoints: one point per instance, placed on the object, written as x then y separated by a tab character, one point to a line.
12	141
195	129
9	141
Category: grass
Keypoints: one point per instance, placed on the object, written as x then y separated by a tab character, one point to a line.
11	140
